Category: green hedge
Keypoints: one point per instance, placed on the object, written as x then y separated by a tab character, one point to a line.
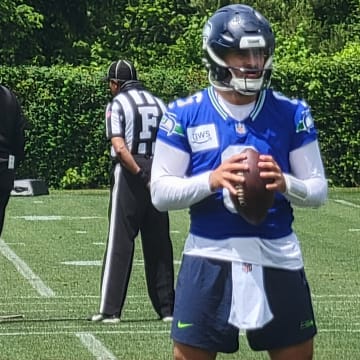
66	138
332	88
65	107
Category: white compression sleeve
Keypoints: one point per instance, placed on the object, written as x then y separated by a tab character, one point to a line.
170	188
306	185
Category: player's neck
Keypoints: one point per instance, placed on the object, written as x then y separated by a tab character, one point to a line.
238	112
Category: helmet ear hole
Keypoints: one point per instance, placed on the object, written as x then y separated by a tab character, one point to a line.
217	72
220	73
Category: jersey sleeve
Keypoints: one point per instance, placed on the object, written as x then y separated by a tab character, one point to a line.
171	188
115	120
171	130
20	127
305	131
13	125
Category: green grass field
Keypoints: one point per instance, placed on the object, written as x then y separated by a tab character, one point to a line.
50	263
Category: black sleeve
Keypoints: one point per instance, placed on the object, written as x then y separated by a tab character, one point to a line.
12	125
20	124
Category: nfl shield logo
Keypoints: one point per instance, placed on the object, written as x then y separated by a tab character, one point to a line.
240	128
246	267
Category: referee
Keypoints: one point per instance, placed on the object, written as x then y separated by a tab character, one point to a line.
132	119
12	142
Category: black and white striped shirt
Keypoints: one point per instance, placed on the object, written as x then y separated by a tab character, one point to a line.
134	115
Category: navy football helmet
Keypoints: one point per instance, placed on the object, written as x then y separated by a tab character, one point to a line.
238	29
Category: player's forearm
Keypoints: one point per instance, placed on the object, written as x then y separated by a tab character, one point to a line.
173	193
307	185
124	155
310	192
170	188
127	160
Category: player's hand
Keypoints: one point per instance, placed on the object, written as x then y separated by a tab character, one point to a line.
269	169
226	174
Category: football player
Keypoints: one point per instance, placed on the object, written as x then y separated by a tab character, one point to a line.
236	275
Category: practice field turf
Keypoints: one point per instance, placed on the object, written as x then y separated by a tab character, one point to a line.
50	263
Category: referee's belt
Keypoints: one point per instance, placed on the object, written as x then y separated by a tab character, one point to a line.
137	158
142	156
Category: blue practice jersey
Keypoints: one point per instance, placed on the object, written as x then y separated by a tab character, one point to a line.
199	126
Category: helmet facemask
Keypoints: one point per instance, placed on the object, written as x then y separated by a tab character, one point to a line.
248	79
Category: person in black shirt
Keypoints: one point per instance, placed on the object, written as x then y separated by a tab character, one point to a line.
12	143
132	119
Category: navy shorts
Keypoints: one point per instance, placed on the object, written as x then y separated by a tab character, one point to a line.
203	301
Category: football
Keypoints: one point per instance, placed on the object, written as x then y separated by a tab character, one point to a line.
253	200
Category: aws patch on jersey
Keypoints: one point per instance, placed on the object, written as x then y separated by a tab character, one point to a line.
203	137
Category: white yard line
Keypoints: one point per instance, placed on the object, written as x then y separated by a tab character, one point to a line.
83	263
108	332
135	331
99	262
144	296
339	330
25	271
336	295
95	347
348	203
58	297
55	217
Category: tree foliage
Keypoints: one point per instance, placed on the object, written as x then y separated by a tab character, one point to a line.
18	24
67	45
46	32
145	30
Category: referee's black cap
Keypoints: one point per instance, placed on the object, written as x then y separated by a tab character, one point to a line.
121	70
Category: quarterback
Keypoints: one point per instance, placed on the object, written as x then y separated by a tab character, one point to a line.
236	275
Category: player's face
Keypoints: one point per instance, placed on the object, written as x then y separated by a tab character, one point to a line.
114	87
244	64
247	63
